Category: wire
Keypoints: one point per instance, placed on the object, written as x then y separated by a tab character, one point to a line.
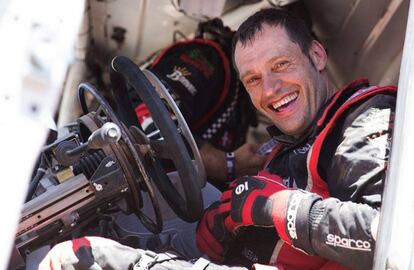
35	181
178	35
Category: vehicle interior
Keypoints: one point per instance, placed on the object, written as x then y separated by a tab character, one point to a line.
89	169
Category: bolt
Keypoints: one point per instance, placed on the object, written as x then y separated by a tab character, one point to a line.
112	132
74	216
98	187
109	164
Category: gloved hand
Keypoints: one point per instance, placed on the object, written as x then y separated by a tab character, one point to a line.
90	253
246	203
249	202
211	236
253	245
265	202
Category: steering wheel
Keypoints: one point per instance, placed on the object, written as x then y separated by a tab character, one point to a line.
125	151
183	128
189	205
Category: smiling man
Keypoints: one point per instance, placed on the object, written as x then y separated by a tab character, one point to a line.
285	84
320	190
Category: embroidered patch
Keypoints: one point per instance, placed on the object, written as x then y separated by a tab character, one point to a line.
302	150
179	74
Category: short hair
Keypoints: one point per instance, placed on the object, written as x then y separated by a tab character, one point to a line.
295	27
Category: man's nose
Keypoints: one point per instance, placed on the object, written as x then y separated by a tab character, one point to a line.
271	85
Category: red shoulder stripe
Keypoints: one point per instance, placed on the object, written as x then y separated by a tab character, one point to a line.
353	84
318	182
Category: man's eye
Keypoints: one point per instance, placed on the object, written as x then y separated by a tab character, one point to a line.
281	66
252	80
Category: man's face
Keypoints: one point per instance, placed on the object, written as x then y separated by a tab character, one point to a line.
283	83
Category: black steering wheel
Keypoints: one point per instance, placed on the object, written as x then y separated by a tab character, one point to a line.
189	205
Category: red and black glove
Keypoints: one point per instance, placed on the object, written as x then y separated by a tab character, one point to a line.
212	237
253	245
265	202
249	202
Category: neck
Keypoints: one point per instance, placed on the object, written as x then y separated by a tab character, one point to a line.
328	85
331	89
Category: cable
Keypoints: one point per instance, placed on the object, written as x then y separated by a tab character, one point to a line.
35	181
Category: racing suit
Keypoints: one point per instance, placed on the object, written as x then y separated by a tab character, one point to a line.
343	159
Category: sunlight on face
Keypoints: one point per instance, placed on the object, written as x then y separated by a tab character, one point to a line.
282	82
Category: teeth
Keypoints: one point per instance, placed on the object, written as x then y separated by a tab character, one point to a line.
284	101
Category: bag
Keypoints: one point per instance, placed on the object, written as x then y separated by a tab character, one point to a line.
200	77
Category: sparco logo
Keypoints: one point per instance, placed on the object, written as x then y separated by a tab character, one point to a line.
357	244
291	214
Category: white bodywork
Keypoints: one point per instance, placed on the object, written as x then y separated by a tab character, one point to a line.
36	55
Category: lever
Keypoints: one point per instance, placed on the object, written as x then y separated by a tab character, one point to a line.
109	133
67	152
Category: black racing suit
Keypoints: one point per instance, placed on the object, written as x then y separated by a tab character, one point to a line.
343	158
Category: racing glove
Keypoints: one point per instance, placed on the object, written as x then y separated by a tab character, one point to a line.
265	202
253	245
212	238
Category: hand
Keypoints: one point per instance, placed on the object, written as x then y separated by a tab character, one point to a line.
211	236
242	249
250	202
247	161
88	253
264	201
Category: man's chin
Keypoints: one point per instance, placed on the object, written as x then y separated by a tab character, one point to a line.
291	131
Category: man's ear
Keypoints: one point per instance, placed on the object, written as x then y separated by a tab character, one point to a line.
318	55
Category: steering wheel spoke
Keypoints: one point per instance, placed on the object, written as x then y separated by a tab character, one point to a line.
139	135
99	110
161	149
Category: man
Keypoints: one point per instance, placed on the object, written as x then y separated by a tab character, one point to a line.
321	189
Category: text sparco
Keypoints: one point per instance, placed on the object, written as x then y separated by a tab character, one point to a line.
291	214
357	244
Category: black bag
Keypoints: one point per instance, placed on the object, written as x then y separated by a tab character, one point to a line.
199	75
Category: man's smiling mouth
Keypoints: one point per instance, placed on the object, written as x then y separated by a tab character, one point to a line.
283	103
